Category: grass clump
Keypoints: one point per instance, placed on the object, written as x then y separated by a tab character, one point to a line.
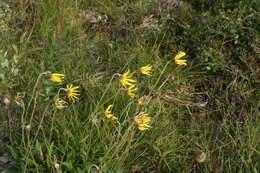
111	86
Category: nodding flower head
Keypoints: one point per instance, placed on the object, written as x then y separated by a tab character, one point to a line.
178	58
108	113
142	120
146	70
59	103
55	77
126	80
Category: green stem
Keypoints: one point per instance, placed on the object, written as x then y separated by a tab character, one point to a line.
159	78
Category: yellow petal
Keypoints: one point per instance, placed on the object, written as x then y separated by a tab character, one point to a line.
181	62
180	55
109	115
109	108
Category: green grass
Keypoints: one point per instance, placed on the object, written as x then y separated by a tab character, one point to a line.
209	106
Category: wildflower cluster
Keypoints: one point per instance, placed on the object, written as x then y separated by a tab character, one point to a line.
142	120
72	91
130	84
127	80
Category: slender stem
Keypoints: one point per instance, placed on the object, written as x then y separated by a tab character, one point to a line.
36	134
34	108
34	96
33	92
107	88
22	122
159	78
52	122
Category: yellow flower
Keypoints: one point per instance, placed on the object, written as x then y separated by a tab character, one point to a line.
108	113
140	101
131	90
144	100
55	77
126	80
146	70
72	92
59	103
18	99
178	59
142	120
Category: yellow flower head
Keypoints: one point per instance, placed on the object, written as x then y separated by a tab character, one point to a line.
59	103
108	113
126	80
146	70
131	90
55	77
142	120
18	99
72	92
178	59
144	100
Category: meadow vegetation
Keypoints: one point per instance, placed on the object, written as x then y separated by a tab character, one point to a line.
129	86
